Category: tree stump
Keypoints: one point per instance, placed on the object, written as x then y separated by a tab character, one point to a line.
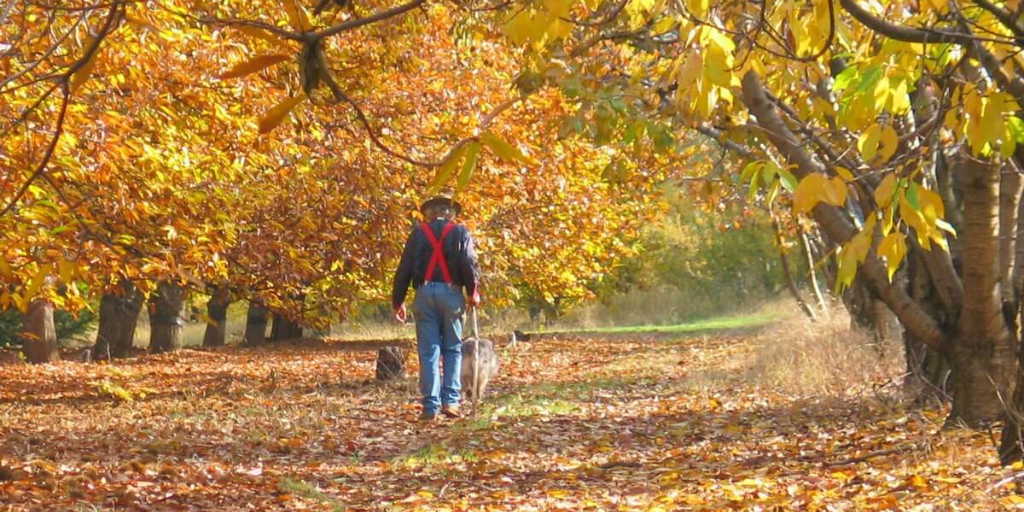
390	363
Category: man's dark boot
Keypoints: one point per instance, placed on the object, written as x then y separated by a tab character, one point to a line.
428	417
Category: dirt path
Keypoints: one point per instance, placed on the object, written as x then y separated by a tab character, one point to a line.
574	423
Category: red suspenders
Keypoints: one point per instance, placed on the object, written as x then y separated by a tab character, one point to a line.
437	258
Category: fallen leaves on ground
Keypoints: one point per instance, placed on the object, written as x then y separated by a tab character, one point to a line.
573	423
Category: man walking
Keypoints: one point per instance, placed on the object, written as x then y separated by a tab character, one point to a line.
439	260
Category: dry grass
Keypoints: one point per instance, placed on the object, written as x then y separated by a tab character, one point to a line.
826	358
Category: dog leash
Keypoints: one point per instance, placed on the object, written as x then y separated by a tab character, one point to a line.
476	359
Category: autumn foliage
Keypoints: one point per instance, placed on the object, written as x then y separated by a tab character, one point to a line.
156	153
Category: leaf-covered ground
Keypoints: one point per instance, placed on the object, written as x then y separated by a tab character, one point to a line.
631	422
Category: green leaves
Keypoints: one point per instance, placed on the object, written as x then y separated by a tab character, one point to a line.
252	65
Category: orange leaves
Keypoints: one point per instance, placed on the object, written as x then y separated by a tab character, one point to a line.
648	416
252	65
277	115
83	73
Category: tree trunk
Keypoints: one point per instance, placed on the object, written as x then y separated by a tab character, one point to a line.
255	324
166	317
1010	188
929	377
217	323
284	329
38	334
119	313
982	354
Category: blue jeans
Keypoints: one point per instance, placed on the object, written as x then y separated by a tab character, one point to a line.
438	310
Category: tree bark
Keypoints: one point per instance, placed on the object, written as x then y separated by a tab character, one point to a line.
38	334
284	328
982	355
1010	188
929	377
119	313
166	317
255	324
217	323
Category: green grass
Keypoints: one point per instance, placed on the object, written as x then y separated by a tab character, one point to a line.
711	324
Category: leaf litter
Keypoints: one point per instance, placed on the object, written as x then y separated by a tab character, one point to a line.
641	423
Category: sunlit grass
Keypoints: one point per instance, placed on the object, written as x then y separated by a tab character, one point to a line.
711	324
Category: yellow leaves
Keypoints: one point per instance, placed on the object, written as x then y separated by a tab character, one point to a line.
707	76
937	6
66	270
520	27
893	248
835	192
922	210
259	33
985	124
297	16
886	190
817	188
503	149
878	144
538	27
868	142
889	143
447	168
5	267
853	253
252	65
638	11
698	8
844	173
276	115
36	283
472	154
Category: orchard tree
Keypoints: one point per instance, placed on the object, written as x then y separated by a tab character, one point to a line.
895	127
176	166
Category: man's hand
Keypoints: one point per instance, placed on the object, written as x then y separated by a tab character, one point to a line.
474	300
401	314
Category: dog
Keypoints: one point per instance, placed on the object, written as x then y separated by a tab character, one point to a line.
489	365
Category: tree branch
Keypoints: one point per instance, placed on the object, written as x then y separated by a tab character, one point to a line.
359	22
910	34
830	218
